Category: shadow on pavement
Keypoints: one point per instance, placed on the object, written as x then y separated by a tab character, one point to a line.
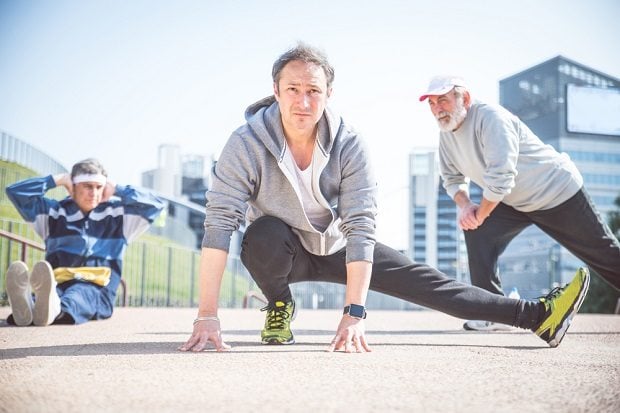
372	332
171	348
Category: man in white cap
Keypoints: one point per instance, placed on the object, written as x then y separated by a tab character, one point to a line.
524	182
85	237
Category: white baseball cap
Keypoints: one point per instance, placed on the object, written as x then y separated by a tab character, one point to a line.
440	85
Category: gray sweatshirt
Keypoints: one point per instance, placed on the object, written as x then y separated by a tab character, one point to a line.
250	180
502	155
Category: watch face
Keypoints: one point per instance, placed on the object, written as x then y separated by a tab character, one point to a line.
356	311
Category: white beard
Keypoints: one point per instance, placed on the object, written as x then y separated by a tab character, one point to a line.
454	118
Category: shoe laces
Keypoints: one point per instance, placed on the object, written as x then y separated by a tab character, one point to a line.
556	291
276	317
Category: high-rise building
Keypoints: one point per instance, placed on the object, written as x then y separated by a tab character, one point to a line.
195	182
434	235
423	181
576	109
166	178
183	180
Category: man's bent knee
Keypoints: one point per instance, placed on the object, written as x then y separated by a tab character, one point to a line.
265	236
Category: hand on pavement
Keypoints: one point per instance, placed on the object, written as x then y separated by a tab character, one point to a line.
350	336
205	331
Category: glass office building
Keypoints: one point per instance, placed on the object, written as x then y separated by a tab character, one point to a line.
576	109
434	236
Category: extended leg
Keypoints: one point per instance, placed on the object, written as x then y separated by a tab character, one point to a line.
84	301
587	236
396	275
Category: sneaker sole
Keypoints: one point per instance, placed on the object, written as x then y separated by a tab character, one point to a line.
559	336
47	303
493	327
275	342
19	293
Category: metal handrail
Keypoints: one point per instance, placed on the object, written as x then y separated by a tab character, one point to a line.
29	243
256	295
24	241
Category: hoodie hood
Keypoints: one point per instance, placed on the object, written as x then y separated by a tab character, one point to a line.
264	119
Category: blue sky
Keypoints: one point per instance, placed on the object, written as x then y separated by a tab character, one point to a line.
114	79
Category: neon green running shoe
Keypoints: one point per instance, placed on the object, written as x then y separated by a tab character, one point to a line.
278	323
561	305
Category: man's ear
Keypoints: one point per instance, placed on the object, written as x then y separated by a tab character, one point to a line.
329	92
276	92
466	99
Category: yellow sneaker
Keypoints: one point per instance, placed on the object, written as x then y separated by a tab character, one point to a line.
561	305
278	323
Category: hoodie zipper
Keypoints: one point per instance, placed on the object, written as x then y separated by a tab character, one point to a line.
295	184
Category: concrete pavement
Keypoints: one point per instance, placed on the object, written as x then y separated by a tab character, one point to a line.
421	361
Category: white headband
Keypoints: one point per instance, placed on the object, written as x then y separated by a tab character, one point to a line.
98	178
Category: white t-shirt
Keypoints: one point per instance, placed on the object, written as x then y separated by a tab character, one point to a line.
318	215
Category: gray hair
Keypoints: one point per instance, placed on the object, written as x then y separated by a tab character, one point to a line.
307	54
88	166
459	91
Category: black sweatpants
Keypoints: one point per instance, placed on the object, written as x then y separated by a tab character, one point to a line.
275	258
575	224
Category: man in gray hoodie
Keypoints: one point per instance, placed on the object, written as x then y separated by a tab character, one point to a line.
301	177
524	182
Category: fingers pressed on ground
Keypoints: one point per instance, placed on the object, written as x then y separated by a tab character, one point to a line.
365	344
189	343
335	344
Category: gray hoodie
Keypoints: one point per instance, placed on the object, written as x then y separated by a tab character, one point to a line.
250	180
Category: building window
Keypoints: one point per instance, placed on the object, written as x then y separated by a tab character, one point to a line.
524	84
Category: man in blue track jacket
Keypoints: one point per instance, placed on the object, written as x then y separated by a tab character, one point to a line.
85	236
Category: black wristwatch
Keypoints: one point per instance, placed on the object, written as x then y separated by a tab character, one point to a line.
355	311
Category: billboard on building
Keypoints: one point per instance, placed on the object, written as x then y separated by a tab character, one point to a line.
592	110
